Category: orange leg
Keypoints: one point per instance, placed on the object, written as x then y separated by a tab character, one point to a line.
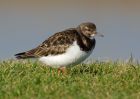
62	70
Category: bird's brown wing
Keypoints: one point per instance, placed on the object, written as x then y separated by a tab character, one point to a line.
56	44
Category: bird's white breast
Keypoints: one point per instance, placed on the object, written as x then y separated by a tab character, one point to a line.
72	56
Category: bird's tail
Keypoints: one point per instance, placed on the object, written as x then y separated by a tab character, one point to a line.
24	55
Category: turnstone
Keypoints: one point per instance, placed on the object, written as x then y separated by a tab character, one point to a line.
66	48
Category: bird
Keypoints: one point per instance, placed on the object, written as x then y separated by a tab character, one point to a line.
66	48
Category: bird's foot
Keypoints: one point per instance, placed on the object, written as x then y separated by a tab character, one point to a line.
62	70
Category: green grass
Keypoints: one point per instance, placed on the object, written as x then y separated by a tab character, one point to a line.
100	80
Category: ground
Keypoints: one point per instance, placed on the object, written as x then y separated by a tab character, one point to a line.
98	80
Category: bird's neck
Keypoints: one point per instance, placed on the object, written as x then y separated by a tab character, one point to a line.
86	42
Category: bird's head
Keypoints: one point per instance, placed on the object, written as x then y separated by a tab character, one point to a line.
89	30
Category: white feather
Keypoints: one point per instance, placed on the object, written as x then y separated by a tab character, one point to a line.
72	56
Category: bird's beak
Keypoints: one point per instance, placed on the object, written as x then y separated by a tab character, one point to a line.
99	34
95	33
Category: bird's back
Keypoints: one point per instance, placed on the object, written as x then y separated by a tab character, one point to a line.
56	44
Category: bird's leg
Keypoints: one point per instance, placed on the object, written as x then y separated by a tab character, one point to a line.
62	69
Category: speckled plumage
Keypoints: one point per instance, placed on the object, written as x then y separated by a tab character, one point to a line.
60	42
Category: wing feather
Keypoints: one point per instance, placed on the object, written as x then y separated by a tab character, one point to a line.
56	44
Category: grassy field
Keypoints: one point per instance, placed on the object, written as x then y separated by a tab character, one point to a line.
99	80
